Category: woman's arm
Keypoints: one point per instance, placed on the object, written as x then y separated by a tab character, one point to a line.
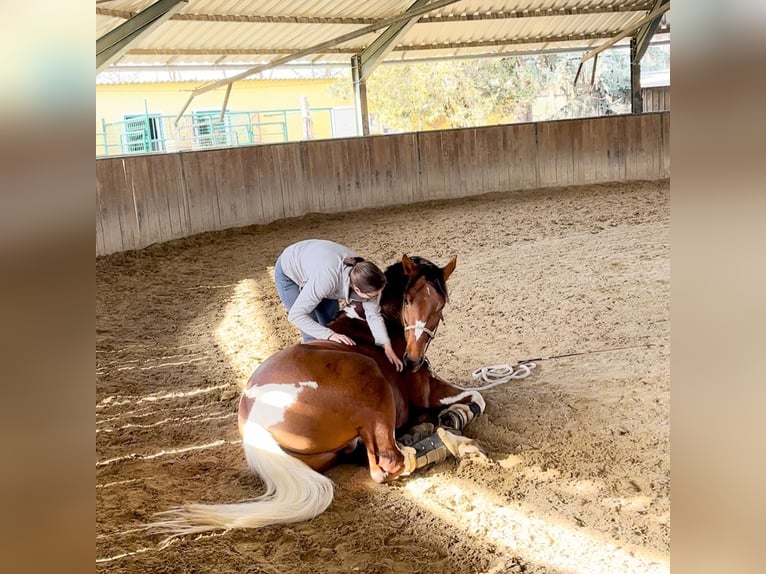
378	328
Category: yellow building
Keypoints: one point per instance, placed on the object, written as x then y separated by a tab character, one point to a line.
139	117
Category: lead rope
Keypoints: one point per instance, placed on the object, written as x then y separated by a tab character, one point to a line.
495	375
501	374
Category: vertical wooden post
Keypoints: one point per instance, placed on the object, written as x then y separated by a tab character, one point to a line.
636	101
360	96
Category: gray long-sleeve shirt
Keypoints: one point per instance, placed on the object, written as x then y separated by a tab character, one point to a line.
317	266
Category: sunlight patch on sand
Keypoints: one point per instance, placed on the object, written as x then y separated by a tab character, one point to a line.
528	534
244	332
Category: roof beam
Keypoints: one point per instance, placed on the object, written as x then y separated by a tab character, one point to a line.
400	48
116	42
644	35
376	52
354	21
624	34
315	49
627	31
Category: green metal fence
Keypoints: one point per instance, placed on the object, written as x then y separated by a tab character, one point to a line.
146	133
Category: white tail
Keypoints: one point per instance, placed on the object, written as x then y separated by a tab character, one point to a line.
294	492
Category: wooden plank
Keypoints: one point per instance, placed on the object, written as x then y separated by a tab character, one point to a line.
450	164
666	144
433	165
548	148
121	196
293	181
588	162
201	190
407	167
642	146
110	186
233	202
392	164
380	157
465	180
100	242
611	148
520	153
249	162
360	191
144	205
158	189
176	198
323	170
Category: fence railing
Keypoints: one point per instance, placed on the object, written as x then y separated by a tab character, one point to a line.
148	132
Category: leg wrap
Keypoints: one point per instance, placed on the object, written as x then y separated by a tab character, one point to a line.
417	433
457	416
429	450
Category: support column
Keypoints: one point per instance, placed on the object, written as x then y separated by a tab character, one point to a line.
636	101
360	96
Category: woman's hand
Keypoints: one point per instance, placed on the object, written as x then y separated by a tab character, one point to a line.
392	358
338	338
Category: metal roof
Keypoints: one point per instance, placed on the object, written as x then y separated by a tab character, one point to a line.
251	32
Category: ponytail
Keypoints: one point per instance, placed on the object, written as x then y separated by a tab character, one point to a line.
365	275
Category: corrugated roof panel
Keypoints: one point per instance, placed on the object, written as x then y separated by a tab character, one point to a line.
481	29
522	28
232	35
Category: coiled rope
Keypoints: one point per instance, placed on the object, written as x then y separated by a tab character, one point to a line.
495	375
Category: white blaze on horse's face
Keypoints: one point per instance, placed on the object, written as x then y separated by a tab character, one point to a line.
273	400
419	326
421	314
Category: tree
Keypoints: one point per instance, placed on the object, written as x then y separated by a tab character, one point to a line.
463	93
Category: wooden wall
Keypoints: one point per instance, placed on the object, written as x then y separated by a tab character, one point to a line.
656	99
148	199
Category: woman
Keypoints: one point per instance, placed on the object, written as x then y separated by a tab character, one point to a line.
312	275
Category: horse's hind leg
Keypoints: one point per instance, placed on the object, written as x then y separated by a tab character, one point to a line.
323	461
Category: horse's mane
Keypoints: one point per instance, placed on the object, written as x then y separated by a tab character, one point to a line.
398	283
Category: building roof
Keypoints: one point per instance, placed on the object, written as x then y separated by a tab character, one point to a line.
243	33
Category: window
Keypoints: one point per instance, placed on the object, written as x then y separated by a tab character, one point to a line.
143	133
209	130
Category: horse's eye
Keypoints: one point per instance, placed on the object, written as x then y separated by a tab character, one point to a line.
406	303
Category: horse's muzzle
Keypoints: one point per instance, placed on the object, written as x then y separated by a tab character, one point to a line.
412	365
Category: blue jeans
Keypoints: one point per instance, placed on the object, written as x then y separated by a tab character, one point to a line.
288	291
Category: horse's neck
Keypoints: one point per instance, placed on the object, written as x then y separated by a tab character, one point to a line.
393	294
357	329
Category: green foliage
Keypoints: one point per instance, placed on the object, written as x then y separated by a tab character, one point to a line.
462	93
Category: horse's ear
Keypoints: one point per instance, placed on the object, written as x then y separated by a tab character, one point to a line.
409	266
449	267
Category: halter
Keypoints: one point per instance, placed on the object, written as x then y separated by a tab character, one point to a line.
423	328
421	325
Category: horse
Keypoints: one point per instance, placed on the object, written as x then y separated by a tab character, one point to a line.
309	405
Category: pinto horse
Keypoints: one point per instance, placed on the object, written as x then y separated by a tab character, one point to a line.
312	403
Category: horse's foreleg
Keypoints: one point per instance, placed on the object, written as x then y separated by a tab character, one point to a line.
385	458
459	406
436	448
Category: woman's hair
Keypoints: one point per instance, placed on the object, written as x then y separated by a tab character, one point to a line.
365	275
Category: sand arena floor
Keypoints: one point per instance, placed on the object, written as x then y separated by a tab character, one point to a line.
576	477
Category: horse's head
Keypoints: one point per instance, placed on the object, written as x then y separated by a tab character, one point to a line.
424	298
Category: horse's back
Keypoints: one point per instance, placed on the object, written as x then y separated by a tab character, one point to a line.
314	397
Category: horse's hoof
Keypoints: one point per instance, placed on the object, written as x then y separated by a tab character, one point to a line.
458	445
378	475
